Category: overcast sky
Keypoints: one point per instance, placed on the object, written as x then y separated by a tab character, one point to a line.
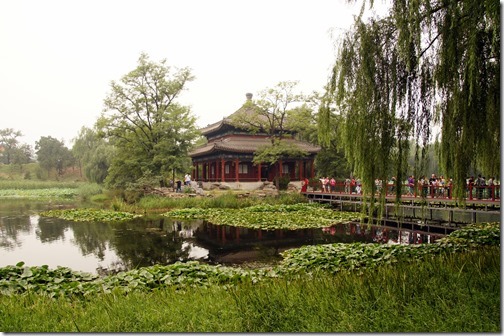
58	58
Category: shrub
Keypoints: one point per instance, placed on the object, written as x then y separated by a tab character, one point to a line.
291	198
100	198
283	182
314	183
87	190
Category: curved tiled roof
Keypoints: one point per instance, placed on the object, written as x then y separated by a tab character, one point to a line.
246	145
225	121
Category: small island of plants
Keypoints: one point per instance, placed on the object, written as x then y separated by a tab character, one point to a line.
270	217
90	215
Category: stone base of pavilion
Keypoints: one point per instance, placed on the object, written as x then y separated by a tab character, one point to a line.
244	189
248	186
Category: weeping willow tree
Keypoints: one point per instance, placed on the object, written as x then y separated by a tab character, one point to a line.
426	65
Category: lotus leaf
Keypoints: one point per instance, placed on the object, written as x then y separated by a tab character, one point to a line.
90	215
270	217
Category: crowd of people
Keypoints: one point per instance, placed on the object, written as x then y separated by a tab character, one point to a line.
435	186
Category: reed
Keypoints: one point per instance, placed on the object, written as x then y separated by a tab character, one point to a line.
449	293
36	184
225	200
86	191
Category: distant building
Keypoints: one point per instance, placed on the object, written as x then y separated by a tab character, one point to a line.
228	155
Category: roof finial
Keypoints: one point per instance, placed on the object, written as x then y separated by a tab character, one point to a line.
248	95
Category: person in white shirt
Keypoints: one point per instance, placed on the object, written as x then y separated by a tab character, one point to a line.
187	179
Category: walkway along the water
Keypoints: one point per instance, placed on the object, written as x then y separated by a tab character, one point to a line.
427	214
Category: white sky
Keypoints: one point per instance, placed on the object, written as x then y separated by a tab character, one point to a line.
58	58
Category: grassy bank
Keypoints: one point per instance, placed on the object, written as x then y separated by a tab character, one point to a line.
32	189
20	188
448	293
228	199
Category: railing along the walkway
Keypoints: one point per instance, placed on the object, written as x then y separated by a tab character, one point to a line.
473	192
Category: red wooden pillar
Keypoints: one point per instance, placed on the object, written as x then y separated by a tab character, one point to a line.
215	164
280	168
279	233
259	171
301	172
223	231
312	169
237	162
237	232
222	170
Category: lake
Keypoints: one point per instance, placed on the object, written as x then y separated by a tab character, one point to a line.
102	248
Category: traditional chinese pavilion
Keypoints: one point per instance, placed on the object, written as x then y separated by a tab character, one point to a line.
228	155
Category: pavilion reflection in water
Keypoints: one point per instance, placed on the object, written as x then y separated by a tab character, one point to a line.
235	245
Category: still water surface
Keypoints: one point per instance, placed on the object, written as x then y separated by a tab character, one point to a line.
98	247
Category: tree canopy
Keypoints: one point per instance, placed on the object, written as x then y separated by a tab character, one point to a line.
93	153
152	133
269	114
53	154
427	64
12	150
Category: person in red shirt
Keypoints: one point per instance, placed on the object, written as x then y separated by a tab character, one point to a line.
332	183
304	185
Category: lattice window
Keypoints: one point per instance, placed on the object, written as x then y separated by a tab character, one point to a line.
243	168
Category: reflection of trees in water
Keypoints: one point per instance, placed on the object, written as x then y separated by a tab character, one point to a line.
51	229
141	242
11	227
15	219
20	206
149	244
137	243
93	238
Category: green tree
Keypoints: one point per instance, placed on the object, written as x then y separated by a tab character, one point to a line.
273	153
53	154
22	154
332	162
9	143
427	62
302	119
269	114
93	153
151	132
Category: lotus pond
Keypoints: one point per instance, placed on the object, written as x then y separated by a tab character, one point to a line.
52	233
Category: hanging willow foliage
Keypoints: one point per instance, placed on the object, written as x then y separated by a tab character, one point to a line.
426	63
